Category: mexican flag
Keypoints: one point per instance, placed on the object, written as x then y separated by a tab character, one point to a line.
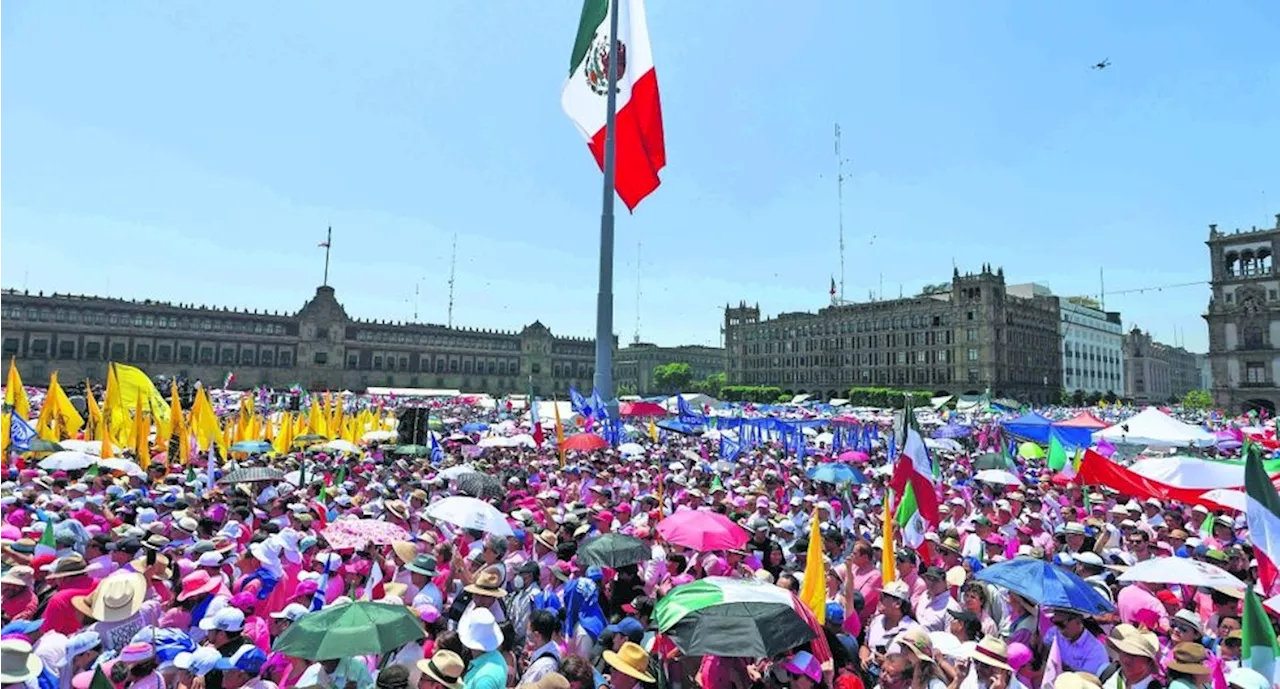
1260	649
914	477
640	152
1262	508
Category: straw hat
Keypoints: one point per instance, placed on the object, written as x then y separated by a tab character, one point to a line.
1076	680
487	583
1136	643
630	660
548	539
918	641
993	652
164	572
19	575
17	663
117	598
1189	657
68	566
444	667
404	550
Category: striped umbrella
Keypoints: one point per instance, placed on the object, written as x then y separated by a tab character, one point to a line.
733	618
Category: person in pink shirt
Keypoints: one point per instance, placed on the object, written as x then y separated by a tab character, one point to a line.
1138	597
865	578
909	572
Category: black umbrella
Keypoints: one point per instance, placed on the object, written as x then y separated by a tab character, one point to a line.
253	475
481	486
614	550
992	460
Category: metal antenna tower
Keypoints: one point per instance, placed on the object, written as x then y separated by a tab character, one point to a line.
637	335
840	204
453	271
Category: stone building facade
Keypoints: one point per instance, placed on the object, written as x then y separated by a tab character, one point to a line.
1156	372
1244	318
966	336
634	364
320	347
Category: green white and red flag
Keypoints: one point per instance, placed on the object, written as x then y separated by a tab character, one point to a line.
639	149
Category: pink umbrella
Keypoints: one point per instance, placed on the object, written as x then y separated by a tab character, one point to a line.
856	456
357	533
702	531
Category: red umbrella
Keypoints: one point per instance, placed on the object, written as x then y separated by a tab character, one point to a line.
641	409
584	442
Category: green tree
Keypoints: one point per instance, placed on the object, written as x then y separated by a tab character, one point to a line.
1092	399
673	377
1064	397
1111	397
626	389
1077	398
1197	399
711	385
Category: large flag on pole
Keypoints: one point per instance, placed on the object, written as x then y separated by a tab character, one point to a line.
640	151
813	589
914	468
1262	507
1260	649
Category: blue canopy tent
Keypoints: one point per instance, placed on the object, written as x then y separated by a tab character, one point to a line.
1030	426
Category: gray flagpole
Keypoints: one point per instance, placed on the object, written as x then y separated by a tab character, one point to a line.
603	378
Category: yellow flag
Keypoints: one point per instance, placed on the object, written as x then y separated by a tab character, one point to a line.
108	447
141	436
888	559
114	413
133	385
315	420
67	418
46	423
15	396
178	427
813	593
205	422
6	420
95	429
653	430
559	430
281	442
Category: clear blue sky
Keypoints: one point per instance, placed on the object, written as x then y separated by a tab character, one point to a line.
197	151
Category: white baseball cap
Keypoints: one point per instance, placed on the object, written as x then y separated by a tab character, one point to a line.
291	612
225	620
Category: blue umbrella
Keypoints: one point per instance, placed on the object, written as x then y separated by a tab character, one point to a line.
1046	584
251	446
679	427
475	427
837	473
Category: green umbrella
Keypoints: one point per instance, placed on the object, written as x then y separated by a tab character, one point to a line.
614	550
42	445
992	460
734	618
413	451
353	629
1029	450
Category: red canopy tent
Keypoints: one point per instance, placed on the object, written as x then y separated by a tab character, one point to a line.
1083	420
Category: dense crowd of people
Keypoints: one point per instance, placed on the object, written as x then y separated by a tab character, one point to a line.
166	578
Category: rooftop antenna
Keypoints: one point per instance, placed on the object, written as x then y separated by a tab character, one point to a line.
1102	288
637	335
840	205
453	270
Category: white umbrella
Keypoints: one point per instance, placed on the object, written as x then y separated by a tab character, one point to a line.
1181	570
998	477
522	440
494	441
824	439
456	471
340	445
630	449
1227	497
379	436
92	447
128	467
691	455
470	513
68	460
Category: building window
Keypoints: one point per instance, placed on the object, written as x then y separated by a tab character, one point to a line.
228	356
320	358
377	363
11	346
141	353
439	365
246	357
286	358
404	363
164	353
971	354
118	351
353	360
1255	372
66	349
466	366
971	335
206	355
536	368
265	359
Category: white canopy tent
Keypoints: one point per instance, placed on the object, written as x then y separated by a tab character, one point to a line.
695	400
1153	427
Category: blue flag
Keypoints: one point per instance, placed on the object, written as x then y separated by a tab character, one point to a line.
730	448
317	598
579	403
20	432
437	454
598	406
687	414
